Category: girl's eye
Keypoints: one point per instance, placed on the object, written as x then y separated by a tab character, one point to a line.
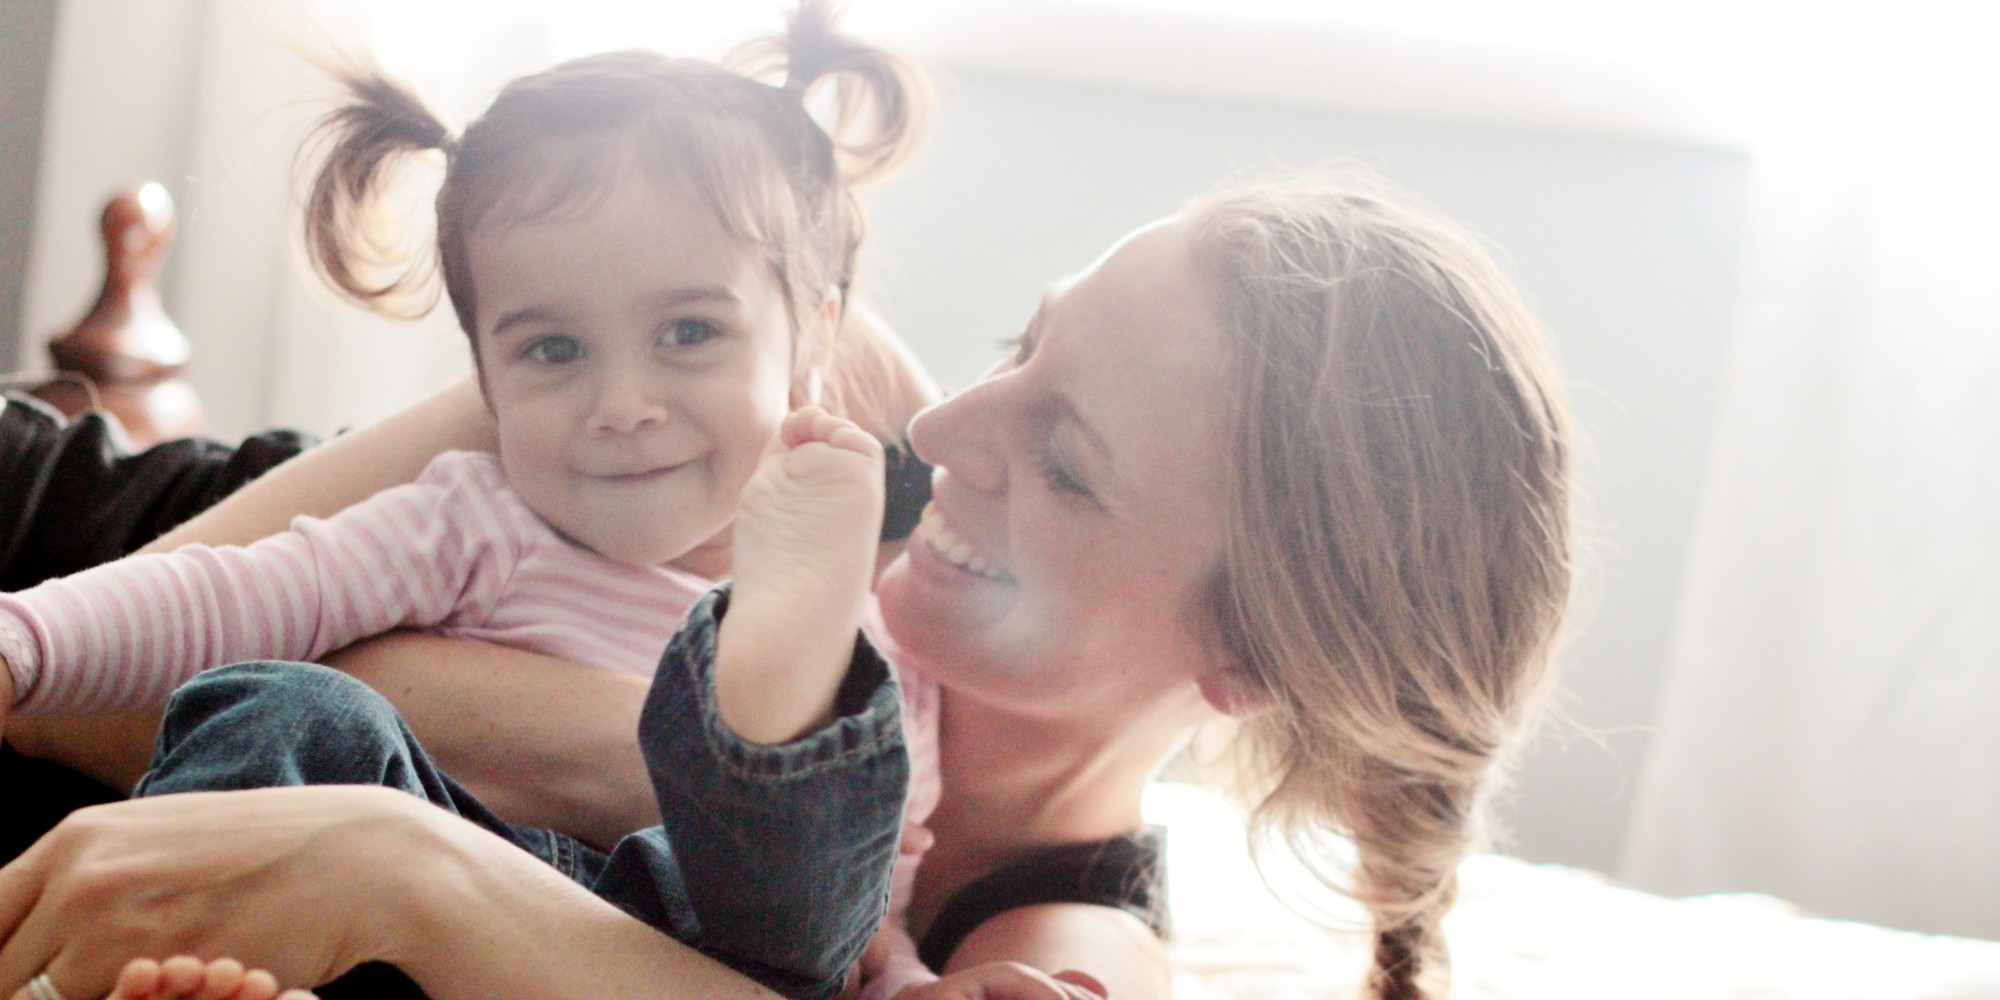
554	349
689	332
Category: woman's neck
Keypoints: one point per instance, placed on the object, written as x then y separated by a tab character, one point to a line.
1013	783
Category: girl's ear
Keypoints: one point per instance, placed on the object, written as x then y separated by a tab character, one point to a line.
814	350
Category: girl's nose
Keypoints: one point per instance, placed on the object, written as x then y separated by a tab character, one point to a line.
626	404
961	434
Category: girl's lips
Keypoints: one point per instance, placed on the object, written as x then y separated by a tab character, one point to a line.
638	477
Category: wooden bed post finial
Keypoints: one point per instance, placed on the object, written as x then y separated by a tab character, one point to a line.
126	347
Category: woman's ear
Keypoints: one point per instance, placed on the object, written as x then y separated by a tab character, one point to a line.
814	350
1229	691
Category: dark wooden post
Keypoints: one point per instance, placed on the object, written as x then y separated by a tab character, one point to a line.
126	348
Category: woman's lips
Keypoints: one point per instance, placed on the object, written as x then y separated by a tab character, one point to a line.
940	541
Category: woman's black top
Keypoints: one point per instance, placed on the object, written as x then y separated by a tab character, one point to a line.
1126	873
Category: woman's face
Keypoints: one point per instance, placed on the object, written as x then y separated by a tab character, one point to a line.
1078	509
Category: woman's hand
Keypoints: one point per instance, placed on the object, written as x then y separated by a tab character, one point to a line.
1009	981
310	882
295	880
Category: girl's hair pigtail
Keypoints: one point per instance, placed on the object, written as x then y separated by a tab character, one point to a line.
349	238
879	103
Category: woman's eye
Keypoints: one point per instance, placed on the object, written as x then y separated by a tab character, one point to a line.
689	332
555	349
1059	478
1018	347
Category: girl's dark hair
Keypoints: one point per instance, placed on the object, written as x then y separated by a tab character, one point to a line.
745	142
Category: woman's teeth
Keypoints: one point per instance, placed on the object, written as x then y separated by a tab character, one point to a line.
957	551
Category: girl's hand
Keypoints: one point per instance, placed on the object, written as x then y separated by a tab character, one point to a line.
1009	981
294	880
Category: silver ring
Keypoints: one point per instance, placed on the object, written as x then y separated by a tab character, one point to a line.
43	988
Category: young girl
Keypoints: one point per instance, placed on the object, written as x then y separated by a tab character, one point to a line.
651	258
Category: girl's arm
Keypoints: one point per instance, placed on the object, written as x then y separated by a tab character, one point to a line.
323	481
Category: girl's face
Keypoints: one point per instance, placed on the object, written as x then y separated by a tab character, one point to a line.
1078	509
638	361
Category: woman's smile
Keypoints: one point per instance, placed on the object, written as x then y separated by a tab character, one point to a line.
947	546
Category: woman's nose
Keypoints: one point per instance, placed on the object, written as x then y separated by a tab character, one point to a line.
961	434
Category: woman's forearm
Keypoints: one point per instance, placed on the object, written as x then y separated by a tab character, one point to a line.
344	471
309	882
542	741
114	750
486	920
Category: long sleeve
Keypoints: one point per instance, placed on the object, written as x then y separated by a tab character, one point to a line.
122	636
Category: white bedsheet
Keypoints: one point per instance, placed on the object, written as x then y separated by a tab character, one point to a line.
1531	931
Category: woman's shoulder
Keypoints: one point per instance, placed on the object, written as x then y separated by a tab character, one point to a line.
1126	873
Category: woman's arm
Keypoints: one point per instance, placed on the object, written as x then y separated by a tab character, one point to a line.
1111	946
344	471
543	742
381	875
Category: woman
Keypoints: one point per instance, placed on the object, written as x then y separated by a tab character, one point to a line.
1295	456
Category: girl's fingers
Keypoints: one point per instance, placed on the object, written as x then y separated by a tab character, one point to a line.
181	974
140	978
224	978
258	985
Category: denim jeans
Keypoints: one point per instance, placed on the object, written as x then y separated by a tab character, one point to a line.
772	859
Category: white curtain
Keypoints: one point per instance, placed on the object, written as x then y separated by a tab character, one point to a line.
1831	721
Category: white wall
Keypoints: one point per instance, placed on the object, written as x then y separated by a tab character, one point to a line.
27	30
1626	246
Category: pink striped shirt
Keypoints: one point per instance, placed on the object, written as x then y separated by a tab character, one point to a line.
456	552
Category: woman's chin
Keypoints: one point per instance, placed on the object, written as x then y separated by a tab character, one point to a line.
939	622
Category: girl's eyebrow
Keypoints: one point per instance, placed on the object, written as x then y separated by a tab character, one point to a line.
530	315
525	317
698	293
